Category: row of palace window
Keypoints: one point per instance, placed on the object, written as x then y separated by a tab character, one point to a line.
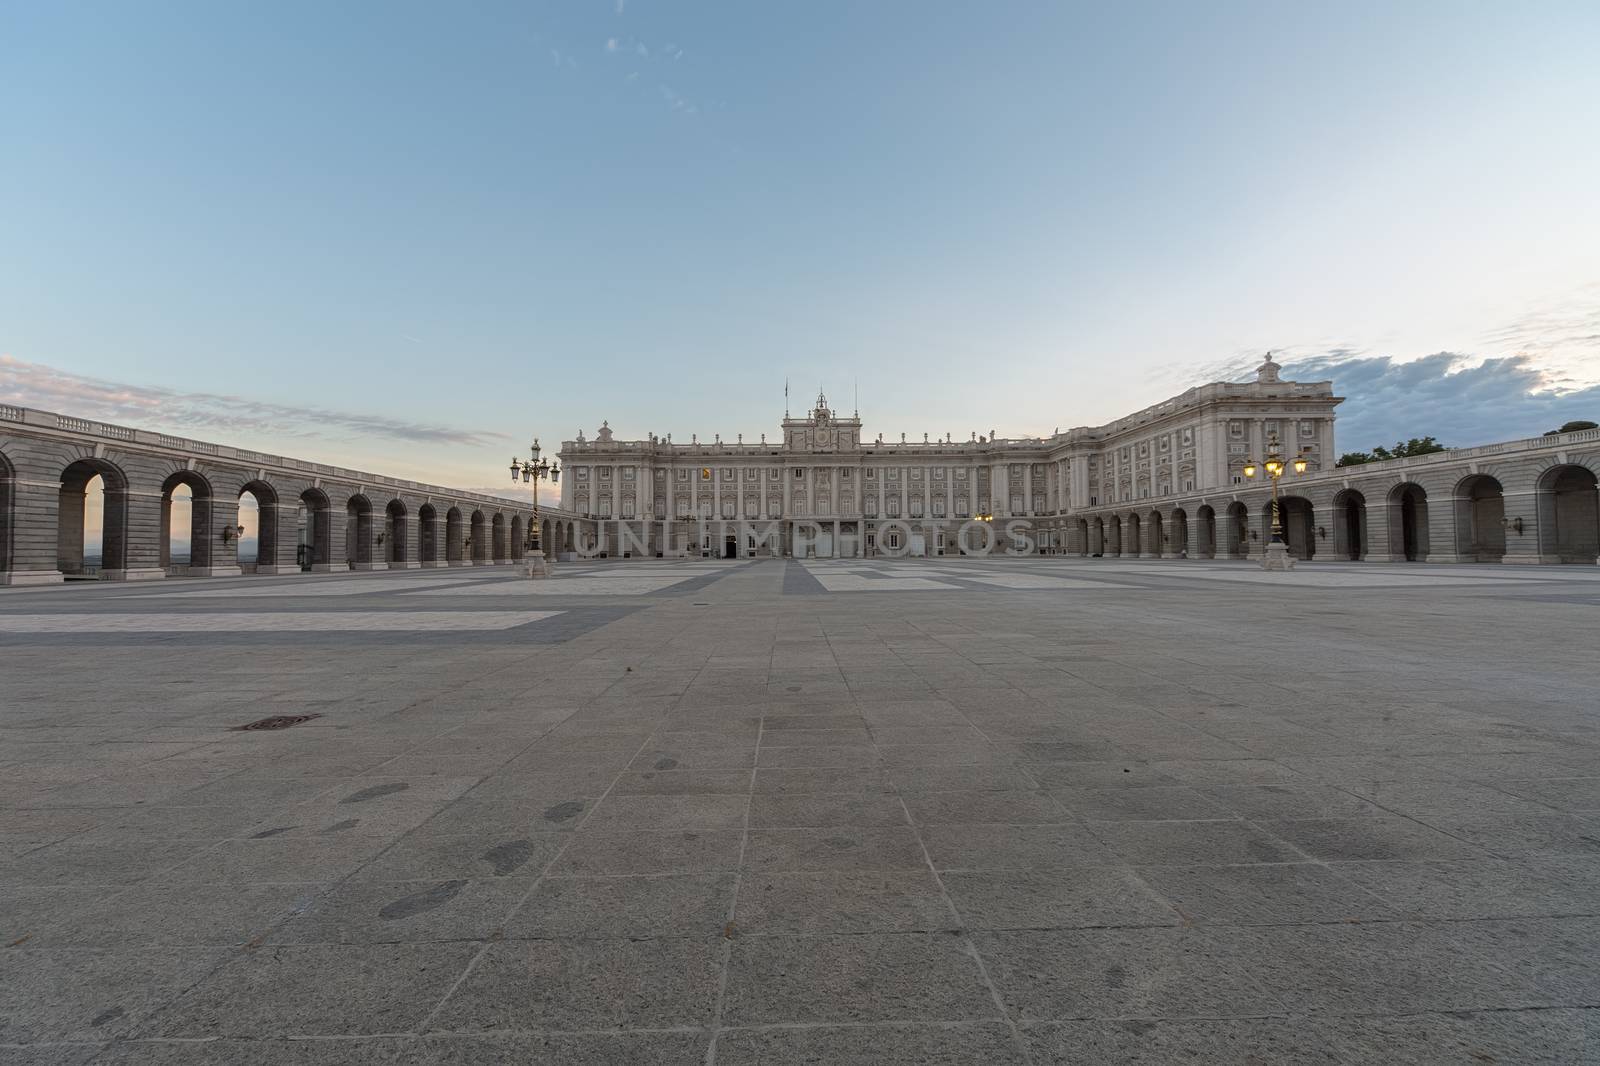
1163	444
1274	428
1163	489
915	507
751	473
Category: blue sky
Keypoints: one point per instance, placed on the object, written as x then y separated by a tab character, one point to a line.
409	236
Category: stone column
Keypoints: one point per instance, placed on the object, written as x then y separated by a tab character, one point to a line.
366	542
209	554
136	538
410	554
1375	546
37	510
1256	518
337	559
281	555
1522	548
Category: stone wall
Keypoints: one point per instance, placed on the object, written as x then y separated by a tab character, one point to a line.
354	520
1525	501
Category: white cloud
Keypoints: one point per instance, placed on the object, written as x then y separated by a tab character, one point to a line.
200	413
1458	399
676	101
1561	334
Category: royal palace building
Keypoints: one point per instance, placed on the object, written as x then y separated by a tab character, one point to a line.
83	499
824	488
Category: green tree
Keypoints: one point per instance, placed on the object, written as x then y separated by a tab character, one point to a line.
1401	450
1573	427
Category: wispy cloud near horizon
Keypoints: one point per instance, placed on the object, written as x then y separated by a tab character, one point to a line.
1532	373
1460	399
48	388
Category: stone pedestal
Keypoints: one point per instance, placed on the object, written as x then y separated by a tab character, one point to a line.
536	566
1277	557
143	573
31	577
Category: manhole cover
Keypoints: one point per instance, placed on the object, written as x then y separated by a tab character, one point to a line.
277	721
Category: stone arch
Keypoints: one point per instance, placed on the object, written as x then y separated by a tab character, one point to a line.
358	532
1236	531
455	537
546	544
91	488
1569	514
1206	542
396	533
1408	522
569	540
1083	537
497	539
263	523
1156	537
1297	519
1112	535
1349	525
1480	511
478	538
186	491
316	530
1132	536
1180	533
428	535
515	538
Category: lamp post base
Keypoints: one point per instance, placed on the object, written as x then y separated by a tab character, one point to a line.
536	566
1277	557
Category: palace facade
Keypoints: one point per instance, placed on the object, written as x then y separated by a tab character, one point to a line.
823	488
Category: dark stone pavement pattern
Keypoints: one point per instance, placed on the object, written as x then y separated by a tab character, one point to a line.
1174	821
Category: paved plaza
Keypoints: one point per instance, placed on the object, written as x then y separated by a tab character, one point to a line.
940	811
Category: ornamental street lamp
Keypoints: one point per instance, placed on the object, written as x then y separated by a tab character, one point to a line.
535	470
1277	556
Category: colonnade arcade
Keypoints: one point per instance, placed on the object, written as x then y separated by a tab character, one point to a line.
1540	509
81	499
86	499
